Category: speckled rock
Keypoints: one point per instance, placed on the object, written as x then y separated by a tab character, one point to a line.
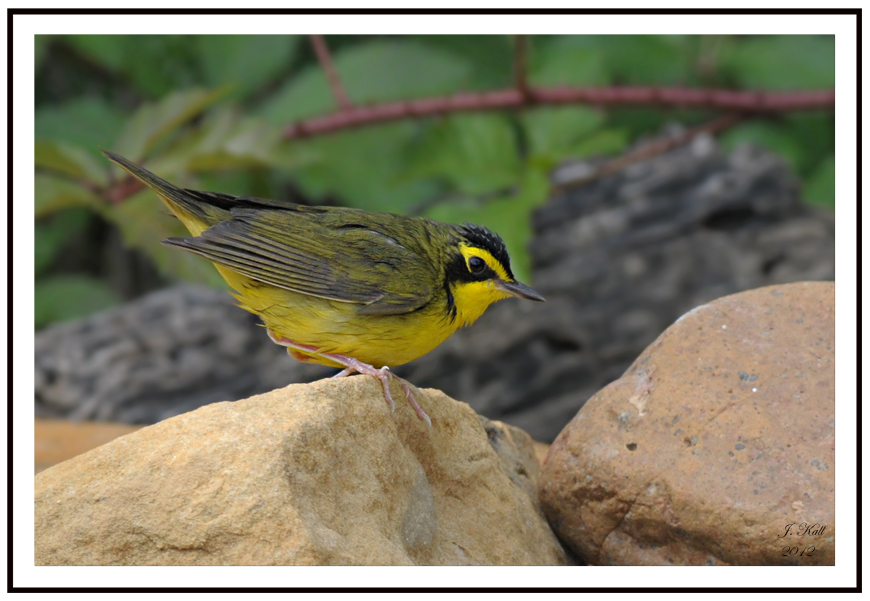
717	439
311	474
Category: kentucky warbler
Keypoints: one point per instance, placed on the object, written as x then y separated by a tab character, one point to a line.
344	287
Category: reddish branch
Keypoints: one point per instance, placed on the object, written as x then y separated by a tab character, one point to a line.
739	104
325	59
727	100
123	189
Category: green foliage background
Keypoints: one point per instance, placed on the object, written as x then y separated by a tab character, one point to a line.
209	111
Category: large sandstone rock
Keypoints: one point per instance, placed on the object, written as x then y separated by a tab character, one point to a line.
306	475
719	436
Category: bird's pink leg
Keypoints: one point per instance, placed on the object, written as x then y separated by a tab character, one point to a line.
352	365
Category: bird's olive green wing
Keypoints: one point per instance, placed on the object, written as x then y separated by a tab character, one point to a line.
342	255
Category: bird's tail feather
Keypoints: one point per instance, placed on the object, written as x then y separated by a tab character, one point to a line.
193	212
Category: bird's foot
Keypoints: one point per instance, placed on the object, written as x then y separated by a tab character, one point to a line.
384	375
352	365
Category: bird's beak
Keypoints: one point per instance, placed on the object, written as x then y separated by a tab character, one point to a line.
520	290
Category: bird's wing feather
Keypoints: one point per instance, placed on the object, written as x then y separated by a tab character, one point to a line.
321	254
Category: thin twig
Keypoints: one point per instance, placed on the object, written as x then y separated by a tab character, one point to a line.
656	148
728	100
325	59
122	190
520	67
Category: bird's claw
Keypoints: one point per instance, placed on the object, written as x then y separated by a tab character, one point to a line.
384	374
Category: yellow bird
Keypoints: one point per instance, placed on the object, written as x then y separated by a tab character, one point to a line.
344	287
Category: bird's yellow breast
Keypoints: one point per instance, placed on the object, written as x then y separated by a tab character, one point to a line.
337	327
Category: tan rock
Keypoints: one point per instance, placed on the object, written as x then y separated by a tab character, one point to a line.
59	440
312	474
541	450
718	437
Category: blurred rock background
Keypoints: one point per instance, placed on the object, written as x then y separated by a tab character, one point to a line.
130	331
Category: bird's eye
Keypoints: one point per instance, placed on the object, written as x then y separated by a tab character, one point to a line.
476	265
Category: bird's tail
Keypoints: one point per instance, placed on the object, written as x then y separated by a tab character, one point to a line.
196	214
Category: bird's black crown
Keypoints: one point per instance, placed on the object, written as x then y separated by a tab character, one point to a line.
479	236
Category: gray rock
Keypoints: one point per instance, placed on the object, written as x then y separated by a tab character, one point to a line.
165	354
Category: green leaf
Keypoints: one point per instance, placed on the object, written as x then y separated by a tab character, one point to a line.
819	188
649	59
153	122
489	56
774	137
474	153
70	160
600	143
109	51
644	121
782	62
559	64
391	168
53	235
363	168
384	70
88	123
53	193
628	59
224	140
144	223
550	132
62	297
155	64
814	133
244	62
238	182
372	71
